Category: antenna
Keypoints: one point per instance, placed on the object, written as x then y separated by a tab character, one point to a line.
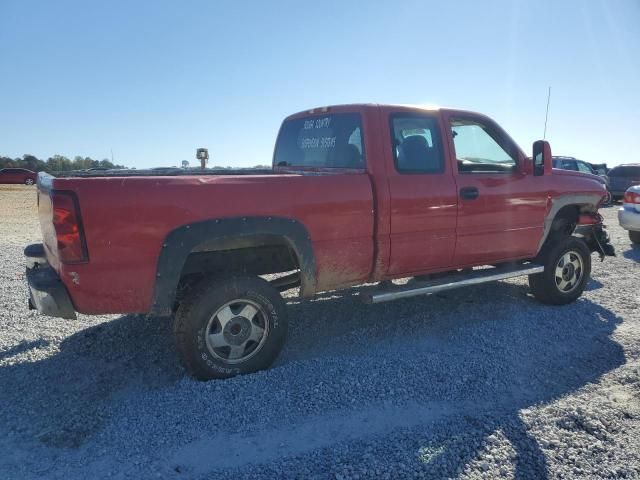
112	148
544	136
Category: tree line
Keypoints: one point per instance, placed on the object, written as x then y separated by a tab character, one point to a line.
57	163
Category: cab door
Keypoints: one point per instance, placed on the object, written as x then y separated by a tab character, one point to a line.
422	189
501	208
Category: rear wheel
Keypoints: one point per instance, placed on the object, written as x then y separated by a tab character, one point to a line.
634	237
228	327
567	266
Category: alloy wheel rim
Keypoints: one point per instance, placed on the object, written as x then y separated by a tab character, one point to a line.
237	331
569	271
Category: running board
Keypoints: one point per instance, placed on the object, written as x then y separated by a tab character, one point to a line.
455	280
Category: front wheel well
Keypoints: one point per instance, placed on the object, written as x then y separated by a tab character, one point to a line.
564	222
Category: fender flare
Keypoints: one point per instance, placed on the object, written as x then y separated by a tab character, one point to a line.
557	203
180	242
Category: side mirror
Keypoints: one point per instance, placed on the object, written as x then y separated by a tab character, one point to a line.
542	162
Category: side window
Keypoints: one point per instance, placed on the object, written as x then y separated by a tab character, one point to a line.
583	167
569	165
416	144
617	172
625	172
478	149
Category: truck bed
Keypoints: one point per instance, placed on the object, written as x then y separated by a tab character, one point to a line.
162	172
127	217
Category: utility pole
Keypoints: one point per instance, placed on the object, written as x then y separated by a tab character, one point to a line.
202	154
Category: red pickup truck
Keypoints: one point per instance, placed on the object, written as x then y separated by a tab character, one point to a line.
357	194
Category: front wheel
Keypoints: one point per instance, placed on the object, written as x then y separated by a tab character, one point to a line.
567	266
634	237
228	327
29	181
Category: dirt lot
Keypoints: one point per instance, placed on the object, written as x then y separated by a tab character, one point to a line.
477	383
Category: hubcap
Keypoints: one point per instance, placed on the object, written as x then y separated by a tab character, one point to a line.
237	331
569	271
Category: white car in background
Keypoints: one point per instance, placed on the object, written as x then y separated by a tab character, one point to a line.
629	213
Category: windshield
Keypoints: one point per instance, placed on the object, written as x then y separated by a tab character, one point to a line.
328	141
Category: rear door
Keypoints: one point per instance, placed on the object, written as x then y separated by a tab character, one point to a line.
422	192
501	209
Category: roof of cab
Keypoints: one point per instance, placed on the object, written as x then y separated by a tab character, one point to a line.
345	107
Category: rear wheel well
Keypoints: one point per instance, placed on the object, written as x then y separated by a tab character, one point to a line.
251	245
259	255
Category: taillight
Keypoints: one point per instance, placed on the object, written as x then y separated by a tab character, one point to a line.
631	197
68	226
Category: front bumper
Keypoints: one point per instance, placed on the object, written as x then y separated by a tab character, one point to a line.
597	239
629	219
47	293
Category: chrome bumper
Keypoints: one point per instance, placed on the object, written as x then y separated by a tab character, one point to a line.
629	219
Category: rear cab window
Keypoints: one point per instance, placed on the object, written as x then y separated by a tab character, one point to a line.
325	141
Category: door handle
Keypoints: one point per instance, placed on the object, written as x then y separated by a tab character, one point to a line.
469	193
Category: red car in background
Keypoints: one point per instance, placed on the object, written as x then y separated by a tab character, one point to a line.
18	175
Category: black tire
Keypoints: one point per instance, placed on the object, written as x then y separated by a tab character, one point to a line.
634	237
552	290
29	181
198	319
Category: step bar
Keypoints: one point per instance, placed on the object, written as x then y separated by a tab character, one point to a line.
455	280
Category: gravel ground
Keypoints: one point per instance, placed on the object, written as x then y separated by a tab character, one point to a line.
475	383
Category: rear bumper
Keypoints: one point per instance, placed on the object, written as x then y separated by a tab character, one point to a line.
629	219
47	293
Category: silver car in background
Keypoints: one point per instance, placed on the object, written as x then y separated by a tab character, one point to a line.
629	213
